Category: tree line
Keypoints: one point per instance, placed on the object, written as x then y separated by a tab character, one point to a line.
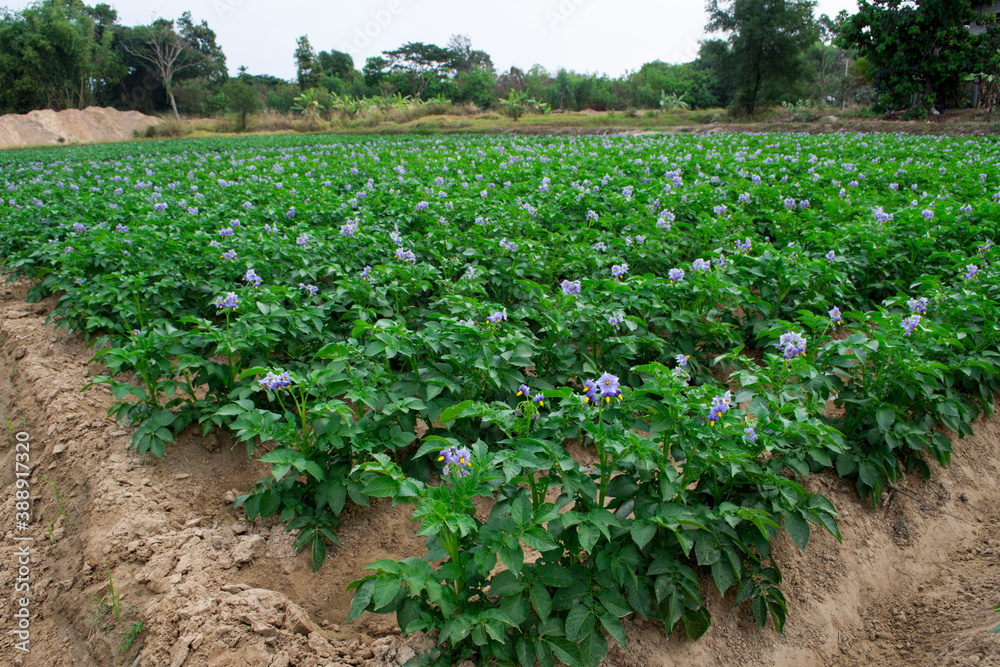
906	55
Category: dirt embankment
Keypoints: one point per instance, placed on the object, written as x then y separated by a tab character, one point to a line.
72	126
913	583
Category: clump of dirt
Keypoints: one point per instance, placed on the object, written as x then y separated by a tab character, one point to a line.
71	126
913	583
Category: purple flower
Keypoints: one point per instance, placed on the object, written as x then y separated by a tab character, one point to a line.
609	387
290	213
569	288
234	223
986	247
470	273
273	382
79	281
743	247
676	275
591	391
910	323
365	272
136	332
835	315
160	206
406	255
749	434
614	321
497	317
508	245
350	229
682	359
68	248
927	214
121	229
972	271
701	265
311	289
790	202
251	278
721	209
918	306
792	344
721	262
460	457
229	254
230	301
539	398
600	246
226	232
592	215
523	390
720	404
192	210
619	270
745	198
831	256
79	228
422	206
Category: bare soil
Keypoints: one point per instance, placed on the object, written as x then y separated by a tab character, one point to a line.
71	126
913	583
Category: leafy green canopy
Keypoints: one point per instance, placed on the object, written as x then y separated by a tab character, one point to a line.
768	38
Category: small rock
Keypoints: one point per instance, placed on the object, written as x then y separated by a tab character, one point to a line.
249	548
964	497
59	448
240	528
263	629
182	475
192	522
235	588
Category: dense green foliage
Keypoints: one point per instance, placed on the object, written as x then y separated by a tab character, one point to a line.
768	38
915	50
327	301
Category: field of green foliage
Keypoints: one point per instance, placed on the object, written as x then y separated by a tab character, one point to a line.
702	321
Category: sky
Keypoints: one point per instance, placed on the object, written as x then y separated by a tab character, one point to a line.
594	36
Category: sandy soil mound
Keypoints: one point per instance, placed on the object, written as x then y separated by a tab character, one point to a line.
913	583
72	126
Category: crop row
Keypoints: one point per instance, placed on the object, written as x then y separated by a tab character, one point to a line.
638	347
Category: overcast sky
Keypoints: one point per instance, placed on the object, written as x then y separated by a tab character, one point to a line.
607	36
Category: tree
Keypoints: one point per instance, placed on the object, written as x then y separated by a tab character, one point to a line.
242	99
336	63
171	53
306	68
467	59
917	50
57	54
767	39
419	64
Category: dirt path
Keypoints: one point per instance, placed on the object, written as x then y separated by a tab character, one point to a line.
910	585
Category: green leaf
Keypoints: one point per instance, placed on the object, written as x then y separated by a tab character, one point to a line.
318	552
614	627
593	649
540	600
706	549
362	597
505	583
579	623
797	527
588	534
885	418
556	576
642	532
